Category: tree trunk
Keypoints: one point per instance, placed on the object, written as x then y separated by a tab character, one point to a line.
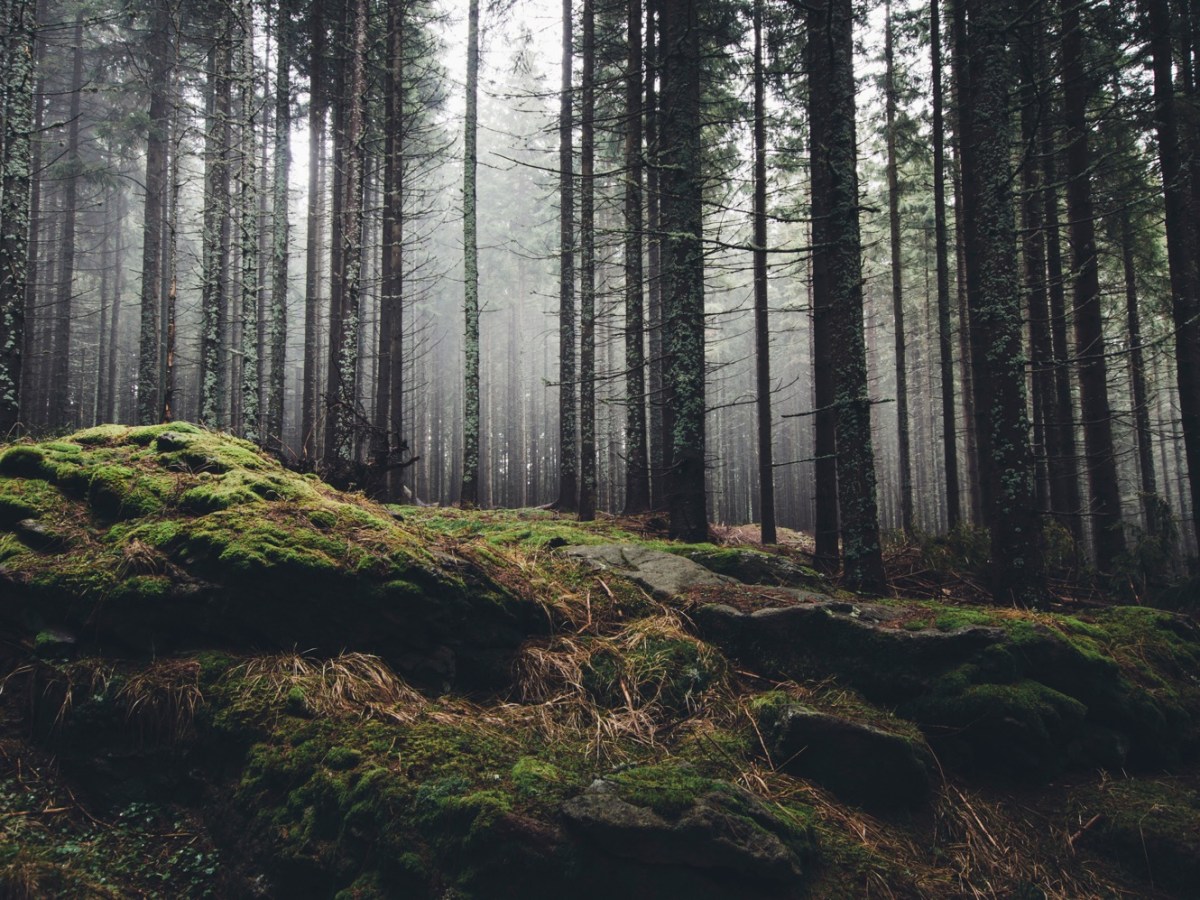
994	298
149	351
893	180
16	179
345	272
682	228
657	436
762	326
1060	413
277	317
470	475
568	481
1181	242
248	228
587	271
837	240
1137	382
312	269
945	336
60	382
1108	536
214	290
826	552
637	475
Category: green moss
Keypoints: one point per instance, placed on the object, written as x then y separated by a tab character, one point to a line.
533	777
962	617
342	758
119	492
1023	728
668	789
25	461
218	495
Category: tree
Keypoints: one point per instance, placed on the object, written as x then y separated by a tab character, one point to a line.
159	83
341	399
246	397
1105	510
893	180
568	482
587	270
389	388
280	230
214	361
945	338
1181	240
637	474
762	328
316	136
985	69
682	225
60	383
837	252
16	181
470	473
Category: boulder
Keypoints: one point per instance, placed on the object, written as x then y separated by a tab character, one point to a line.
860	763
856	641
723	830
665	575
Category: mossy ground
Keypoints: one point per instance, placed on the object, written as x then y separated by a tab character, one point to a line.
329	775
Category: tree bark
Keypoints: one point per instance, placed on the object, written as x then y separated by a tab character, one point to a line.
1181	242
1108	537
893	180
342	381
837	239
762	326
568	480
994	298
682	229
280	229
469	495
16	177
637	475
312	300
587	270
945	336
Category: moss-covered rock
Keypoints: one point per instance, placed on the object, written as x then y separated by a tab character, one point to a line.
170	536
861	762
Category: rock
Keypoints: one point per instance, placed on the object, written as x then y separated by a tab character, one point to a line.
756	567
663	574
728	832
53	643
171	441
860	763
36	536
850	640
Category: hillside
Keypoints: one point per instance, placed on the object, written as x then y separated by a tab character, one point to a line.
222	678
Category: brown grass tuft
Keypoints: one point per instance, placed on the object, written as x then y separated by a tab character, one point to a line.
352	684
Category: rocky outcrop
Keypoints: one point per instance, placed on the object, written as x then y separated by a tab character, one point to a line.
861	763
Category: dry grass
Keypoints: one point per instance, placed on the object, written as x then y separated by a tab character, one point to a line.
352	684
997	848
552	682
161	700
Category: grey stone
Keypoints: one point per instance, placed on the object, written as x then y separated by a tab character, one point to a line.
665	575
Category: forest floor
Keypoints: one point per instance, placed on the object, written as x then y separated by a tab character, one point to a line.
219	678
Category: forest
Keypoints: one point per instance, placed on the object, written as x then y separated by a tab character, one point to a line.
623	258
525	449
